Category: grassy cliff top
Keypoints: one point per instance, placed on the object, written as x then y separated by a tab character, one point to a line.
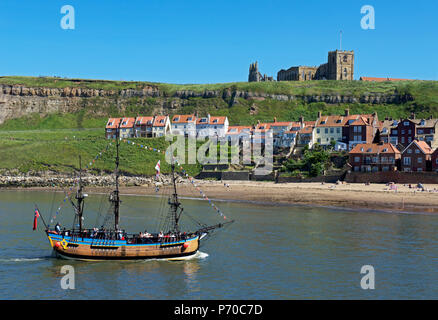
355	88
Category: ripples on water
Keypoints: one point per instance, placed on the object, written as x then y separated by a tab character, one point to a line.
269	253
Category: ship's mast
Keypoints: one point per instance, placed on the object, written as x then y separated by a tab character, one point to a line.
174	203
114	197
80	197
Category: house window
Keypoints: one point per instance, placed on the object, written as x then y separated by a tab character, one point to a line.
419	160
417	151
407	161
409	150
403	140
317	130
403	132
326	130
406	123
394	132
357	159
338	130
420	131
385	169
419	169
332	130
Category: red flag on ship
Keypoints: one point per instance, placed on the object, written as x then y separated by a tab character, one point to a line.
35	219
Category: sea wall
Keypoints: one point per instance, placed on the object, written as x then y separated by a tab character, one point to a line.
65	180
393	176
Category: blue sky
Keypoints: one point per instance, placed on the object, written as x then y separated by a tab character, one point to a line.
214	41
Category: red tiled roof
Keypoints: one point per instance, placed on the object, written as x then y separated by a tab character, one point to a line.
331	121
382	79
307	129
422	145
281	124
361	121
160	121
237	129
143	120
113	123
219	120
183	118
127	123
374	148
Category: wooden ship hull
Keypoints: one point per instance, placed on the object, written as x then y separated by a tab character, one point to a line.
102	249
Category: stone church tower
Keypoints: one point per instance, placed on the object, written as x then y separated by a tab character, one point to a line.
340	65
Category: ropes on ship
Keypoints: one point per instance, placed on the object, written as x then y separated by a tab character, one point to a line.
183	171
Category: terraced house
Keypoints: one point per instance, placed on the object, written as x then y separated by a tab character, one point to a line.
403	132
374	157
239	133
212	126
417	157
161	126
143	126
127	128
111	128
184	125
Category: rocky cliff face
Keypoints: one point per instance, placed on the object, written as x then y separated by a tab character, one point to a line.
17	101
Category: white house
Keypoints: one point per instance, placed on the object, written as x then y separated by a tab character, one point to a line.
161	126
212	126
184	125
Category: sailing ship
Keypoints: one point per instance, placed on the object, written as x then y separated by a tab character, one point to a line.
115	243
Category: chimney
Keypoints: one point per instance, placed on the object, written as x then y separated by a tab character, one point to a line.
412	116
319	114
347	112
275	119
301	120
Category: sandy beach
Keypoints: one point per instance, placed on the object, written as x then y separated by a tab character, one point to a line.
357	196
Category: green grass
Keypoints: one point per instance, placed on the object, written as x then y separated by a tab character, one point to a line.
58	151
